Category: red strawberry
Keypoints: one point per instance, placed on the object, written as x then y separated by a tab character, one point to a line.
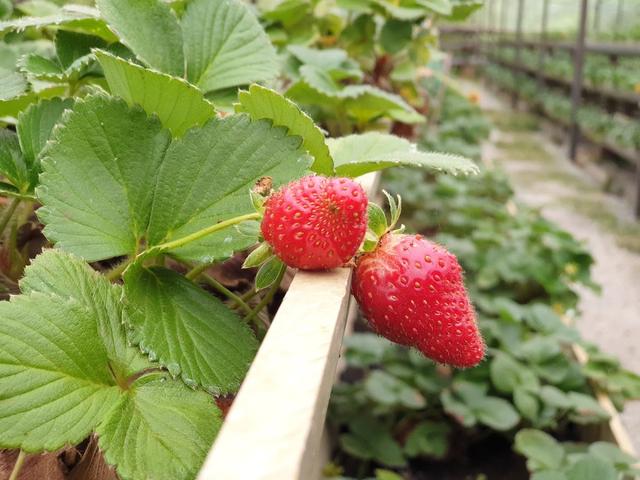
316	223
411	291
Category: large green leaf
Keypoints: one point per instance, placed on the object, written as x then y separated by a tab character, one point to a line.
225	46
260	102
355	155
66	369
111	180
54	373
62	275
191	332
159	430
34	129
98	178
178	104
150	29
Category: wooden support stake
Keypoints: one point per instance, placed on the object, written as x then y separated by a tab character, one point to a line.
576	86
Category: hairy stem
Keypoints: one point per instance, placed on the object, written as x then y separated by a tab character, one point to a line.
116	271
266	300
18	465
8	213
226	292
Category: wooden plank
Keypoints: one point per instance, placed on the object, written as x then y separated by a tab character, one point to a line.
273	430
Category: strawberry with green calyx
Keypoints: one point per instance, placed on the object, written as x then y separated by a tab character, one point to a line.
411	291
316	222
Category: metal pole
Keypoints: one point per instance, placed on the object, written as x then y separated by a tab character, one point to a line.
576	86
596	16
504	15
638	187
518	57
619	14
543	40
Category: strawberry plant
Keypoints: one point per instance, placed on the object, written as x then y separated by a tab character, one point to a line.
137	147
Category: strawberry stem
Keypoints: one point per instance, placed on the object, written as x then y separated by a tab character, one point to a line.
181	242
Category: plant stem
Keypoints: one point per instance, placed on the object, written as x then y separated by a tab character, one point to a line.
180	242
8	213
267	298
196	271
116	271
249	295
226	292
18	465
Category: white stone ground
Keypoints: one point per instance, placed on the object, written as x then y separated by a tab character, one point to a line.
610	319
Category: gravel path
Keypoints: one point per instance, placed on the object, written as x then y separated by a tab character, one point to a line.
561	190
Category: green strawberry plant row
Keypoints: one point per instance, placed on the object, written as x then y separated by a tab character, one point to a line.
142	143
521	271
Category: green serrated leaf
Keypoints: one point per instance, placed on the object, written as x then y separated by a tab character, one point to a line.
12	84
496	413
591	468
70	46
137	186
505	373
413	12
9	109
54	373
225	46
369	439
363	102
66	369
526	403
34	129
355	155
395	35
443	7
160	429
269	272
541	447
377	219
259	256
40	67
12	163
428	438
260	102
150	29
71	17
62	275
187	330
179	105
